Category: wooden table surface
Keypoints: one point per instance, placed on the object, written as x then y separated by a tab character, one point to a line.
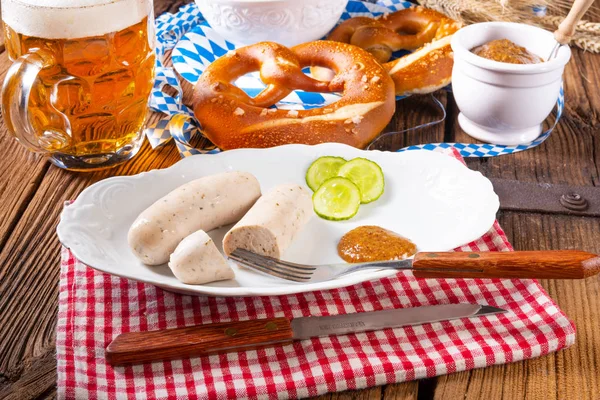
32	193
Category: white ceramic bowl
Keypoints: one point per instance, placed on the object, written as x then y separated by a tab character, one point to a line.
504	103
288	22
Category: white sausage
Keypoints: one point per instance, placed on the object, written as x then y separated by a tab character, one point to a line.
203	204
197	260
272	223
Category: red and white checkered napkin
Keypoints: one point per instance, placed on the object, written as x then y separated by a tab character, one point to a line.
94	307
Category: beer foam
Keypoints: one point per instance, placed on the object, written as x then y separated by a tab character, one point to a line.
72	19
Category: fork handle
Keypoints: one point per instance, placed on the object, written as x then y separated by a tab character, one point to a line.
554	264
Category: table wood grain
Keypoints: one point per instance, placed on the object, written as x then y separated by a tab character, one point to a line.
32	193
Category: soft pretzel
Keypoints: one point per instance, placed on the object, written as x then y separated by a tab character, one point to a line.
427	69
231	119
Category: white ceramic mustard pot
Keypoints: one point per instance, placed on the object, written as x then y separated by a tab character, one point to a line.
504	103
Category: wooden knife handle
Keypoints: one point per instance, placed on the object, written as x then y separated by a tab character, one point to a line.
135	347
557	264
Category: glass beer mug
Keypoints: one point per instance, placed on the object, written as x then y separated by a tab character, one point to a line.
82	75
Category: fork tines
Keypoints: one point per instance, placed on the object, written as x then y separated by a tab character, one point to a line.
273	266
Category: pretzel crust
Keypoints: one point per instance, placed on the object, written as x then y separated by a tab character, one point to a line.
231	119
427	69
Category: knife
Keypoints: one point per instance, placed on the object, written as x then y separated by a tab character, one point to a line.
135	347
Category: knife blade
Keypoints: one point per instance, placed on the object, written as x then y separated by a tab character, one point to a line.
308	327
135	347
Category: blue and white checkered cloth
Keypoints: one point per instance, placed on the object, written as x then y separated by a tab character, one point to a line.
195	45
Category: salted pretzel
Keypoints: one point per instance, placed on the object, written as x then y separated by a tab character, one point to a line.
425	70
231	119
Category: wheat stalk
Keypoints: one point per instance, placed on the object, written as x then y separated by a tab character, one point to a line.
471	11
589	44
562	8
553	21
587	35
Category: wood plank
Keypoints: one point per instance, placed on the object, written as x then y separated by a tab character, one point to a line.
583	70
38	382
402	391
365	394
397	391
566	157
581	80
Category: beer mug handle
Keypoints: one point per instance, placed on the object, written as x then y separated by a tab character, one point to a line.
18	84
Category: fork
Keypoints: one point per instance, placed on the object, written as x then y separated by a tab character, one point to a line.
553	264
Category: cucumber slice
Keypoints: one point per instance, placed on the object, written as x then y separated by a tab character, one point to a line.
337	199
322	169
367	176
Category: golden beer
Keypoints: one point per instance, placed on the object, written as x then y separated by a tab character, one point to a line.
88	103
